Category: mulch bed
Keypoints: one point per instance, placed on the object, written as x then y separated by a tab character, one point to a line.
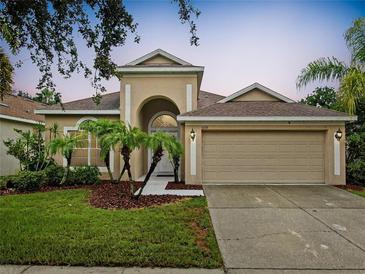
177	186
114	196
352	187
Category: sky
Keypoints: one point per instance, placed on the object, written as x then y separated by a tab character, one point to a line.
241	42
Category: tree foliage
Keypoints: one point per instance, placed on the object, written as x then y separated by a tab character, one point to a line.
351	77
6	75
48	96
321	97
47	29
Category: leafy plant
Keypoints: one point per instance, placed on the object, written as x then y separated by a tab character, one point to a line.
6	75
66	145
48	96
157	142
175	150
28	180
321	97
85	175
54	174
29	149
351	77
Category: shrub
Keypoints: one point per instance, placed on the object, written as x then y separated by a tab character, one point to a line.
86	175
54	174
6	182
29	180
356	171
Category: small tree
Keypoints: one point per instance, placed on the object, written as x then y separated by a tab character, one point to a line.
102	129
321	97
48	96
175	150
157	142
66	145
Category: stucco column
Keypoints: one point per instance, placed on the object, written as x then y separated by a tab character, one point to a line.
193	151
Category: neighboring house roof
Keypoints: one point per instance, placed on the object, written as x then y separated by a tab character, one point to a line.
260	87
20	109
109	105
263	111
208	98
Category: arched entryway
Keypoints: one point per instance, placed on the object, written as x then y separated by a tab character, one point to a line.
158	114
163	121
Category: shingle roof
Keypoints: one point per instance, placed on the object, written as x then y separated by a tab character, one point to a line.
20	107
263	109
109	101
207	98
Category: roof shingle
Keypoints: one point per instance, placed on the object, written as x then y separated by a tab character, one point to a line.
20	107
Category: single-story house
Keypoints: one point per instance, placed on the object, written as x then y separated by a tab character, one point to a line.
16	112
255	135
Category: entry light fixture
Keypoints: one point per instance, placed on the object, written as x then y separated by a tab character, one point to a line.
192	135
338	134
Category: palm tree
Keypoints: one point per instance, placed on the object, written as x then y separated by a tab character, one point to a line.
157	142
6	75
351	77
53	131
66	145
175	150
128	138
101	129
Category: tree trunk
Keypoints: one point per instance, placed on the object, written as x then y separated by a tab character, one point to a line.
107	164
176	161
157	155
121	174
126	153
67	170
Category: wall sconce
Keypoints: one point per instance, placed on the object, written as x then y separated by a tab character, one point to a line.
338	134
192	135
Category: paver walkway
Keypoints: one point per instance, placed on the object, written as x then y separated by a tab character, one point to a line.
157	185
288	229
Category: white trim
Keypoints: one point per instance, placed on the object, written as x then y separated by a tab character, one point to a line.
23	120
76	127
193	157
336	156
260	87
189	97
155	53
159	69
79	111
127	117
265	118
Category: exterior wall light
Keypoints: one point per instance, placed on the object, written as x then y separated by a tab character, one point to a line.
338	134
192	135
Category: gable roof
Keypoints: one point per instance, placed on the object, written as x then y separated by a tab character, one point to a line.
208	98
155	53
260	87
20	109
109	105
263	111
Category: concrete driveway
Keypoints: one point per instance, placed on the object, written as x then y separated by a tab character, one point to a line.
288	229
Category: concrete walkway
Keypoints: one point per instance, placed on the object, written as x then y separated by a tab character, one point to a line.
157	185
288	229
26	269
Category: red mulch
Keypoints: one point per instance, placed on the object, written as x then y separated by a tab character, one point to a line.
117	196
352	187
181	185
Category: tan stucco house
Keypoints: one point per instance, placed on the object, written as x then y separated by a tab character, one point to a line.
16	112
255	135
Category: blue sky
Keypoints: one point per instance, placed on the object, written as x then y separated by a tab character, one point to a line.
241	42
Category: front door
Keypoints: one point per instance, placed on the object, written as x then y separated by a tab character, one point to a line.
166	123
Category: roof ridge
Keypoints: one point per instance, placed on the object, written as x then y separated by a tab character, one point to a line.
90	97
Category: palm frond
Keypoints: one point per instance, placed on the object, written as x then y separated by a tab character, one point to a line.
355	39
352	89
320	70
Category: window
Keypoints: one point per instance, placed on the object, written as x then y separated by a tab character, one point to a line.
164	121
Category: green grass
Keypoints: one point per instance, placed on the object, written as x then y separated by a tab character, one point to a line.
357	192
61	228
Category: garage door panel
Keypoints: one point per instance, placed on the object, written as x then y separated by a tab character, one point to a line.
263	156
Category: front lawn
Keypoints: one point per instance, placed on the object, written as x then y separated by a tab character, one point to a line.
358	192
61	228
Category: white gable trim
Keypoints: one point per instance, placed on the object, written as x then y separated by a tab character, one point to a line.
158	52
18	119
260	87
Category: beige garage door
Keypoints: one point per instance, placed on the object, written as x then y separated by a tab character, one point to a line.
263	157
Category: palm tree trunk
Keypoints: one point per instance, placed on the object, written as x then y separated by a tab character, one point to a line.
176	161
121	174
107	164
67	170
155	159
126	152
